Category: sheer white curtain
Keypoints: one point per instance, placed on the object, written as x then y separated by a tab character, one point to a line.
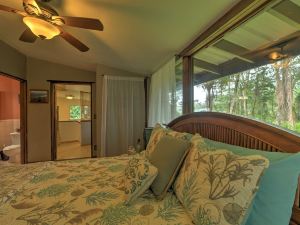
162	108
123	114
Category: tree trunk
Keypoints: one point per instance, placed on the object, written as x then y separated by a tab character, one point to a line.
235	94
284	93
209	95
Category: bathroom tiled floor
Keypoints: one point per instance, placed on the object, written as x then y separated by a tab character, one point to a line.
73	150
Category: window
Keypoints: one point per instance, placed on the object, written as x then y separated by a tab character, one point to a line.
270	93
178	91
75	112
165	100
86	112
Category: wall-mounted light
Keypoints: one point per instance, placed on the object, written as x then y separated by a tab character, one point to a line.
41	28
69	97
275	55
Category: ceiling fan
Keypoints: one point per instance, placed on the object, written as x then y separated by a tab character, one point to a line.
44	22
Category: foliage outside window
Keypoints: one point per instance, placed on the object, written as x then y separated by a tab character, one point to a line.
270	93
178	95
75	112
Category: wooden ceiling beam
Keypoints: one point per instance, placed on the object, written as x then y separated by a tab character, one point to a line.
233	49
288	17
238	14
206	66
289	9
202	77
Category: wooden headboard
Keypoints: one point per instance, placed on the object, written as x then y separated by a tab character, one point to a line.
240	131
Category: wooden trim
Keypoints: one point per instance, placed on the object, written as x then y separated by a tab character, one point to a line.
237	15
71	82
53	121
187	85
296	215
23	122
92	121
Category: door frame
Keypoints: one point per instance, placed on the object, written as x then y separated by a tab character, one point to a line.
23	115
53	115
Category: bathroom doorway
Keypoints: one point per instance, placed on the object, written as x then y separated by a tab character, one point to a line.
72	120
12	120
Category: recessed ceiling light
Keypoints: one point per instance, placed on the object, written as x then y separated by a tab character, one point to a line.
70	97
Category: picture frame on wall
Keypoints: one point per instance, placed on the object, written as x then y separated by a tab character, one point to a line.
38	96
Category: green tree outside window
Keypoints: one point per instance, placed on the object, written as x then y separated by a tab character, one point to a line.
75	112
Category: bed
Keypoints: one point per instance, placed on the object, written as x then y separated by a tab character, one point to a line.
90	191
85	191
240	131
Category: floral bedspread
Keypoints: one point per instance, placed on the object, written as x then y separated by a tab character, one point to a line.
86	191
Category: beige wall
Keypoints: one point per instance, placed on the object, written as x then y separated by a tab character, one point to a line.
39	116
37	72
12	62
106	70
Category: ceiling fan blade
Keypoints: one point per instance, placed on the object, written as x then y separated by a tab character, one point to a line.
33	5
86	23
28	36
74	41
12	10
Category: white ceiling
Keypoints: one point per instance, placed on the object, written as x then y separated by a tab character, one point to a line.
139	35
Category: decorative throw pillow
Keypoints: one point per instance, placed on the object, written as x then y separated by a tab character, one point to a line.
218	187
167	156
139	175
274	200
159	132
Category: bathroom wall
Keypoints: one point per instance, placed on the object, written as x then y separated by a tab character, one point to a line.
9	108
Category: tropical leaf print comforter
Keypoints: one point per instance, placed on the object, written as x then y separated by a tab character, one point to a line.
86	191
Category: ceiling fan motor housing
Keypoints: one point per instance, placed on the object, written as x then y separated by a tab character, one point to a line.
46	11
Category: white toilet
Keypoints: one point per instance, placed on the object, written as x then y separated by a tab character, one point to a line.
13	151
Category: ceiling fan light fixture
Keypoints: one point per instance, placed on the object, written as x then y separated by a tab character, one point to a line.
41	28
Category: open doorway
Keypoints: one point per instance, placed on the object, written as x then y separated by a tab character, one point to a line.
72	121
12	120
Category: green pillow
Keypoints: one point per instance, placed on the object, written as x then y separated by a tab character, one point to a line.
275	198
167	156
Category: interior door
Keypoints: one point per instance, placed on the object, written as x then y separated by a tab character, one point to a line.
72	115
